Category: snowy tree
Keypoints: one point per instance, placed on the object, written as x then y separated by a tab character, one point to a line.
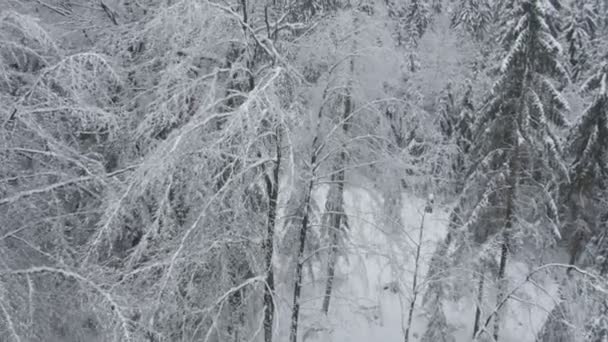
517	155
457	123
588	170
579	32
59	121
446	110
191	170
345	100
464	127
418	18
142	212
412	20
474	16
586	144
438	328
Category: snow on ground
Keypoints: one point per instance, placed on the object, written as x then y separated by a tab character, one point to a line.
364	307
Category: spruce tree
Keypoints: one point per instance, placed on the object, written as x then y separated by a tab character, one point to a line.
413	25
590	135
588	147
463	134
579	31
418	17
516	153
465	121
474	16
413	19
456	124
446	111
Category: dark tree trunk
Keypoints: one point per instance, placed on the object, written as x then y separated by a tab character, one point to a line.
501	288
504	247
336	205
295	311
293	334
415	280
479	302
272	188
336	222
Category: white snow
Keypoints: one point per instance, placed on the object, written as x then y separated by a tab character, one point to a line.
363	310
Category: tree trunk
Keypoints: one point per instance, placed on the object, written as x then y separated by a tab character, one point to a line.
336	209
295	311
272	188
293	335
501	289
415	280
331	270
504	247
479	301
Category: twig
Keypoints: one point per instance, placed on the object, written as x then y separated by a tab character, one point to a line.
51	187
111	14
60	11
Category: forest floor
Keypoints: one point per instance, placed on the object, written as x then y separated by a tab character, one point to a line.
367	306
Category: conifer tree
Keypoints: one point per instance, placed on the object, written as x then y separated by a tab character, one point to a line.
588	146
579	31
517	156
418	18
553	10
474	16
455	124
413	23
446	110
589	138
465	121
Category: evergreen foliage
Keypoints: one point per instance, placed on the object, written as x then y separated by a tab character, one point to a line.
474	16
515	131
579	31
516	154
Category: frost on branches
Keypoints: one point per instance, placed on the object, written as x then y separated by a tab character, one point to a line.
244	170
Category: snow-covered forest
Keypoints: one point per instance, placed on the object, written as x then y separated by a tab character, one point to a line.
304	170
